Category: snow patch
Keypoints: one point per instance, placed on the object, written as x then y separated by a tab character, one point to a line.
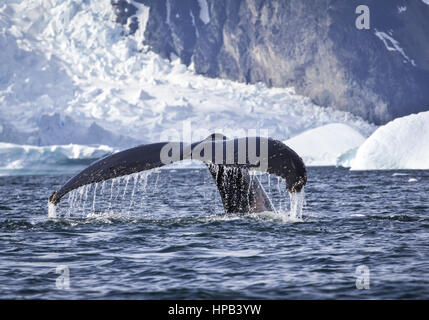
400	144
204	11
168	10
392	45
402	9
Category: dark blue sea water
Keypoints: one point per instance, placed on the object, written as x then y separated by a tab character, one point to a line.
363	235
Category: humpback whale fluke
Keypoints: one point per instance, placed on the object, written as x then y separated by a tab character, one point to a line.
228	160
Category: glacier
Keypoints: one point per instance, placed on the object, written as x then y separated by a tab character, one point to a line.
400	144
76	76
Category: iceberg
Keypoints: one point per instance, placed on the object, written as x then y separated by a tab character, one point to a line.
26	159
323	146
400	144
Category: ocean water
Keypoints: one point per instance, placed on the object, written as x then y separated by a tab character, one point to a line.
163	235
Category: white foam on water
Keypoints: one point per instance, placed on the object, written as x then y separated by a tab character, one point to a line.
358	215
275	216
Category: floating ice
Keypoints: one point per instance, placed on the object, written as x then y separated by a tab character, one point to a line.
25	159
401	144
323	145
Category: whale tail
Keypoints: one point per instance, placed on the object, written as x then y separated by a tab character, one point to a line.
228	160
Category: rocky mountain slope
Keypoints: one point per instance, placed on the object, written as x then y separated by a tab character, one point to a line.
313	45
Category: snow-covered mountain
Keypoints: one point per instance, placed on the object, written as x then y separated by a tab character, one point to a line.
378	73
71	74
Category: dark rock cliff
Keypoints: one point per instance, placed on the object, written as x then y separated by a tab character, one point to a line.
313	45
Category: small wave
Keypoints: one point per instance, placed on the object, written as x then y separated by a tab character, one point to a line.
13	225
358	215
399	174
245	253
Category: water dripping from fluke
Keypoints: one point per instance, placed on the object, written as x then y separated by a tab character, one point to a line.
117	198
297	202
129	196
